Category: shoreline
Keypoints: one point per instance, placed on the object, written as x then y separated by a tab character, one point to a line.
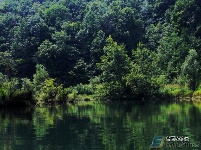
11	103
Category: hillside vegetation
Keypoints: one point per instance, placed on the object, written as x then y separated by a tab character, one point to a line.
53	50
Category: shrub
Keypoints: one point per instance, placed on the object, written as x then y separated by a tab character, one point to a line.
176	90
51	92
39	77
197	92
9	87
84	89
27	84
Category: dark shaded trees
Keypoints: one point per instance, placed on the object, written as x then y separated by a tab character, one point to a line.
68	37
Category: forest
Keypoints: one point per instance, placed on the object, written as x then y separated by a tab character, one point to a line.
57	50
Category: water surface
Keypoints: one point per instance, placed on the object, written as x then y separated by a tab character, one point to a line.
97	126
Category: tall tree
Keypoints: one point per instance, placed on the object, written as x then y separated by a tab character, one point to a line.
144	73
115	65
190	69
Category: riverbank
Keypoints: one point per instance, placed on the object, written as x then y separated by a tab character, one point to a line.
57	96
176	92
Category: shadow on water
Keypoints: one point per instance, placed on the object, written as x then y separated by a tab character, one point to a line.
25	113
115	125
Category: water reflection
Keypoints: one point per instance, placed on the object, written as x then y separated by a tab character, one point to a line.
97	126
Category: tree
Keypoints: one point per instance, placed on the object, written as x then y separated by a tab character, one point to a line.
96	51
156	11
123	24
90	26
39	77
186	15
7	64
8	87
144	73
115	65
170	47
55	14
59	57
190	69
25	39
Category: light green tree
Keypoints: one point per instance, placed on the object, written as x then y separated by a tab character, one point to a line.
115	65
190	69
144	73
39	77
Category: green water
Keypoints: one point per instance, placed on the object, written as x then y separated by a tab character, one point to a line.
97	126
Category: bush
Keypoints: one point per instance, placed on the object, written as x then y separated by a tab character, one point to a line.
39	77
27	84
2	94
51	92
8	87
61	94
197	92
176	90
84	89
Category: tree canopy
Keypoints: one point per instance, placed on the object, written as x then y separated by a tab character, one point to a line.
130	45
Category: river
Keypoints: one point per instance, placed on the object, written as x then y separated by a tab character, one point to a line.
98	126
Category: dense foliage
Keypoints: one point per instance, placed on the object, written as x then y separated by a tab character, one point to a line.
128	49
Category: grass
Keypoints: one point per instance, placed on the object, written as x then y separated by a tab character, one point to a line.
84	103
176	90
82	92
197	92
81	97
